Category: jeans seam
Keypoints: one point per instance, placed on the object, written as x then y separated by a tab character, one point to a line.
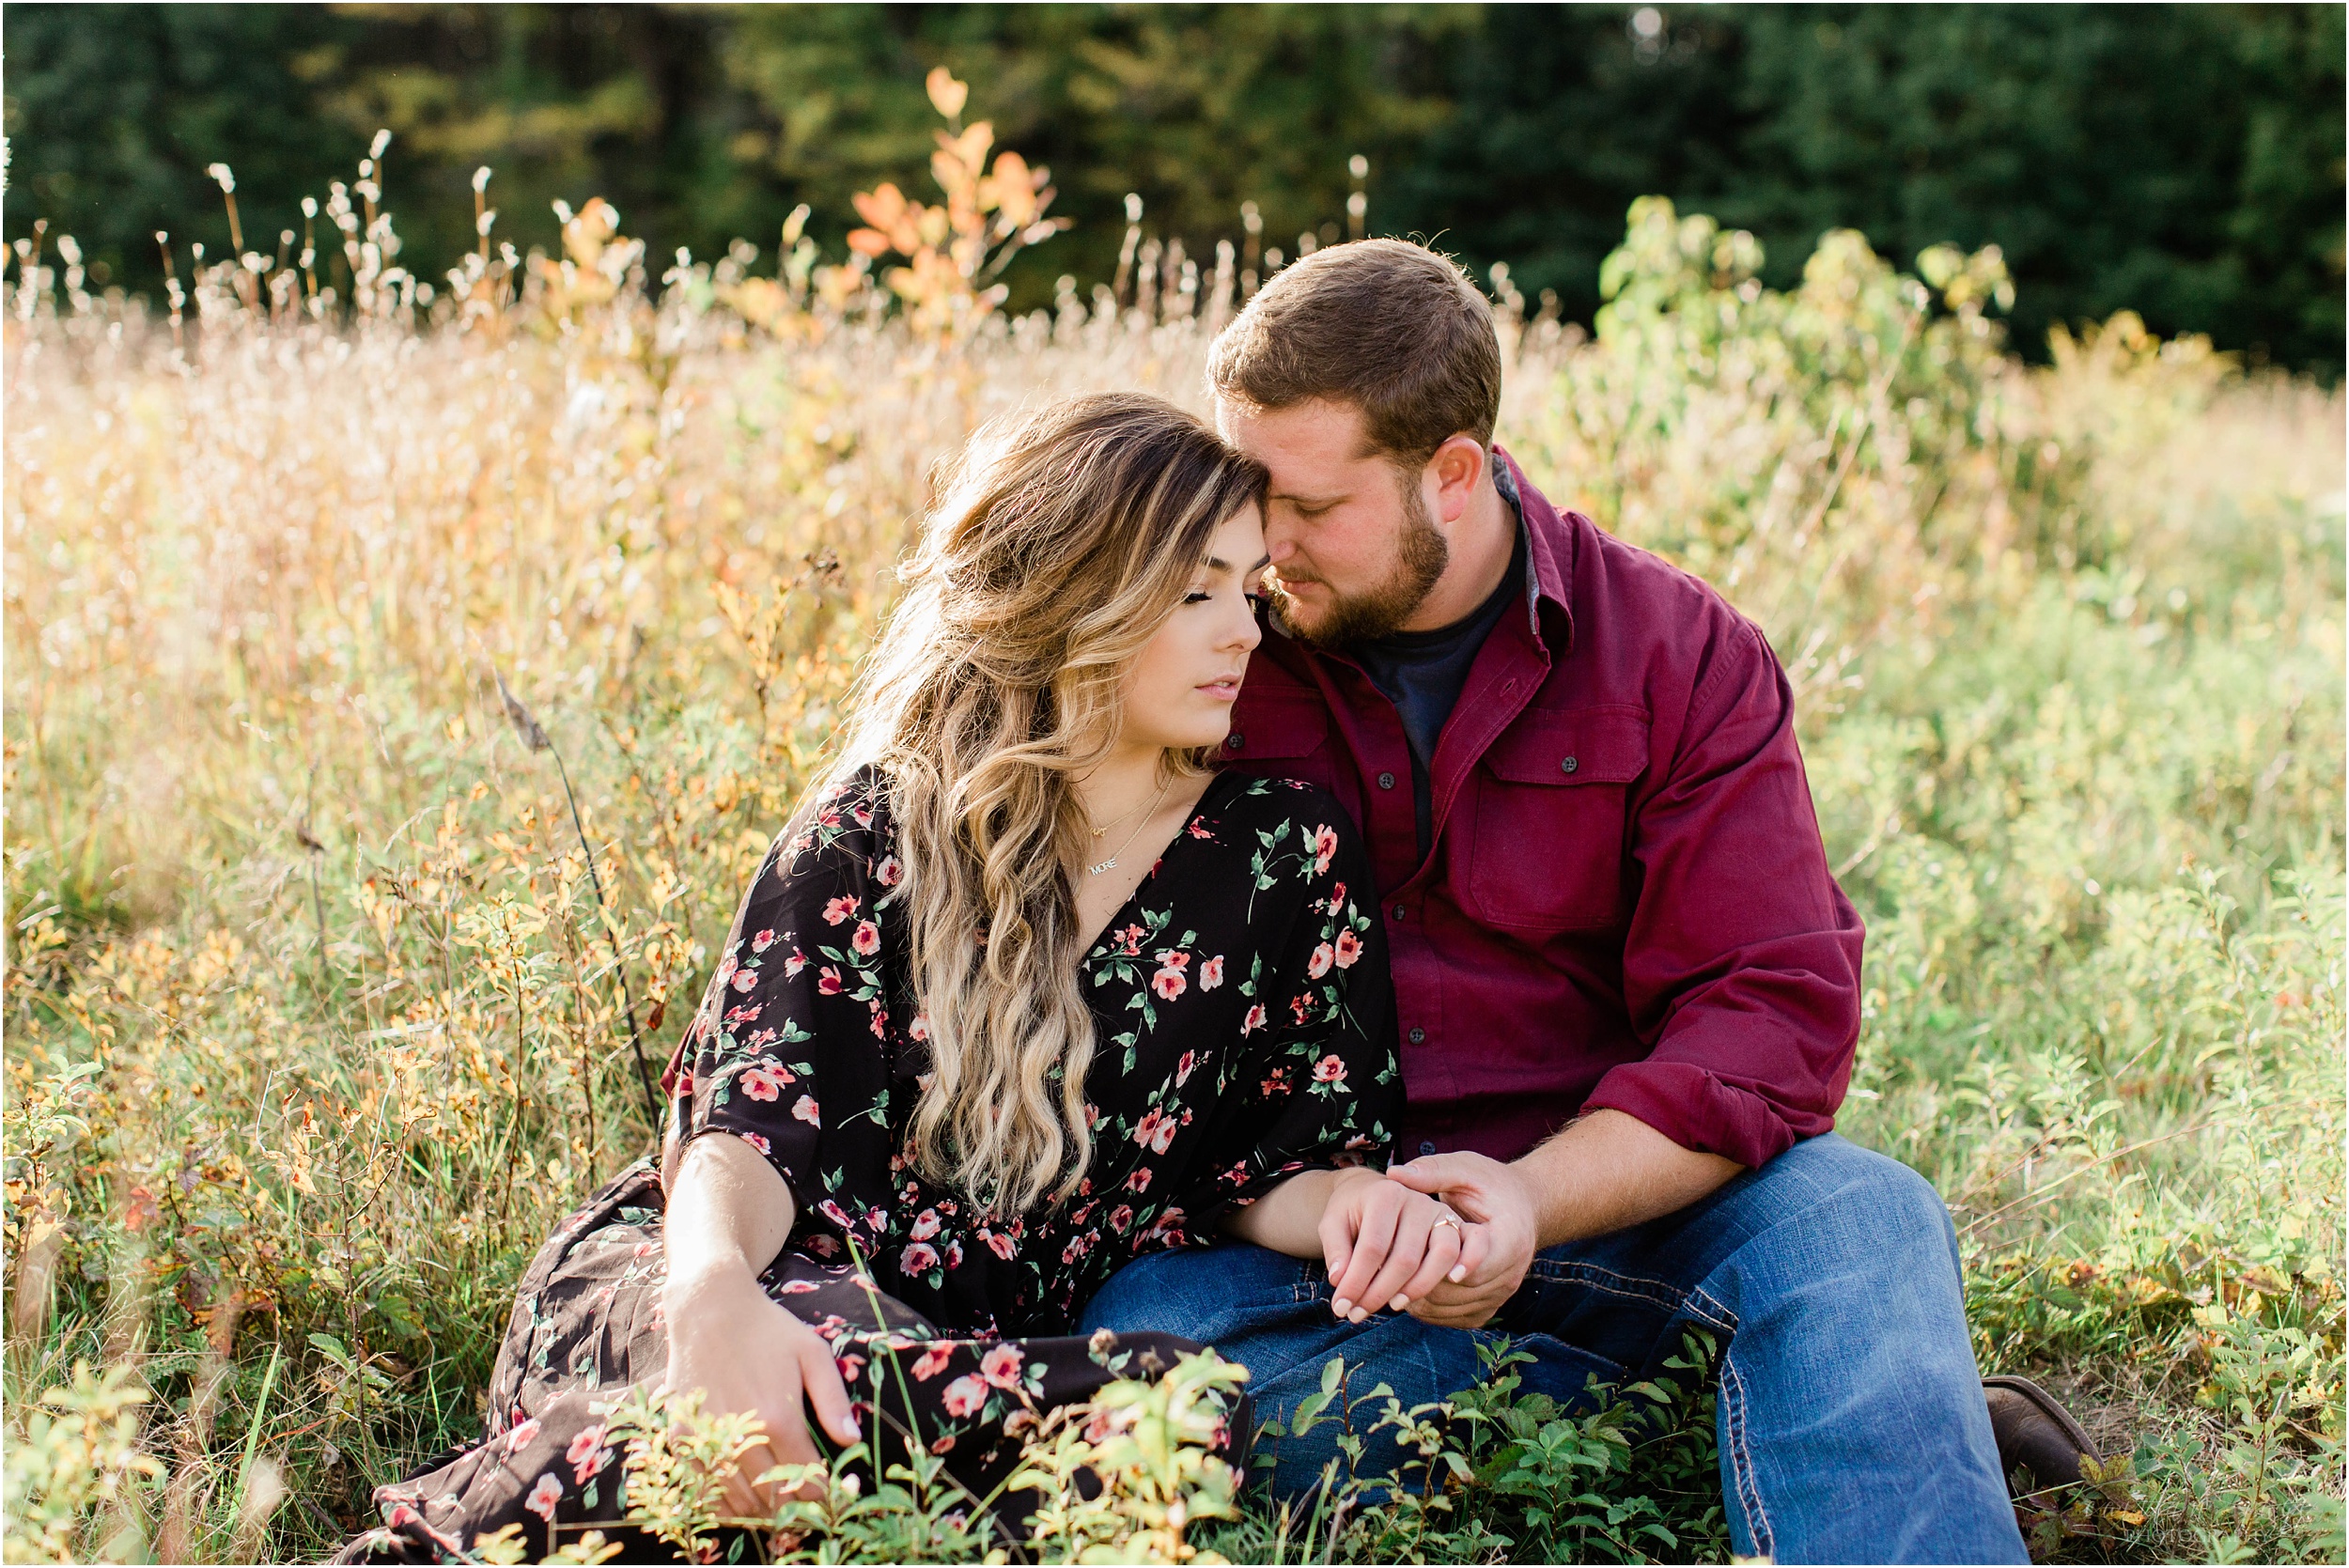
1741	1461
1631	1286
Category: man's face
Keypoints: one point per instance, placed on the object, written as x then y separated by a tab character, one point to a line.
1353	545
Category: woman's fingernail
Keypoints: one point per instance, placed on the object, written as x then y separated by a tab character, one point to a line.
1459	1272
1400	1302
1342	1306
1356	1315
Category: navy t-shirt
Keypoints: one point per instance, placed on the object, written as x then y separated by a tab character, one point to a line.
1421	673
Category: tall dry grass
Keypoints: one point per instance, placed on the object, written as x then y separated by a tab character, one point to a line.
315	1018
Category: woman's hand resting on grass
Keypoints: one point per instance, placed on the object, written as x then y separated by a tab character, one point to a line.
728	1214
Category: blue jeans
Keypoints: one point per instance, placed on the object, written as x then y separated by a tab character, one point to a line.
1851	1417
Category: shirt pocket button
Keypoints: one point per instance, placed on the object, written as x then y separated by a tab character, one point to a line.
1568	765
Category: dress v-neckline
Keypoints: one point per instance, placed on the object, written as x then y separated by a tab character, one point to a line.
1120	915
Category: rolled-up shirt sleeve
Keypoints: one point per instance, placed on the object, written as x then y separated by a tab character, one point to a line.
1741	964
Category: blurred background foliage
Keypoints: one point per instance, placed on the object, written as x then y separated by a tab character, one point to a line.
2185	162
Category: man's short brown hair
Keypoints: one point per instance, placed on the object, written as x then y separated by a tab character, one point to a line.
1389	327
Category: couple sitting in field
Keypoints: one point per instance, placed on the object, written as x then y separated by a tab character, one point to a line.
1427	943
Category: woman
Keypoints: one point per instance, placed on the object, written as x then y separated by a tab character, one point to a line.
1023	993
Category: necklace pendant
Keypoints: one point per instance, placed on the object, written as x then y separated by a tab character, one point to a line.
1109	864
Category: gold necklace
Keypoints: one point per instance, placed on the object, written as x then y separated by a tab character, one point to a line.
1111	864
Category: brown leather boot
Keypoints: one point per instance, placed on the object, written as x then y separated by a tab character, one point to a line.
2035	1434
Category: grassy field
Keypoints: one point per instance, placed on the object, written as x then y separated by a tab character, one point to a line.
318	1015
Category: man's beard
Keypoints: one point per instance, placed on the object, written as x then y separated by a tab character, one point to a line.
1422	555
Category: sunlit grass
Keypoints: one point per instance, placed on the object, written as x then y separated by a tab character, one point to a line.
315	1024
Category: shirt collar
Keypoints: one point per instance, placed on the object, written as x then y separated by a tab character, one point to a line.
1550	541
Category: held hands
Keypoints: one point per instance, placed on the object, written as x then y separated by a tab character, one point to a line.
1387	1245
747	1354
1499	1242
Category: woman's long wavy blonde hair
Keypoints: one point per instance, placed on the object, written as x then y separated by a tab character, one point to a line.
1062	541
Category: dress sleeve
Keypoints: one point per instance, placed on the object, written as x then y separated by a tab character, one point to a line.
1315	1084
789	1049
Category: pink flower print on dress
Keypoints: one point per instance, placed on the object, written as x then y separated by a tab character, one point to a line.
1211	974
1078	1247
925	1225
1001	1245
1254	1020
745	980
1325	847
1300	1007
755	1142
764	941
520	1437
920	1258
1002	1366
1122	1218
1146	1130
964	1395
806	1111
798	1287
828	982
586	1455
765	1082
849	1367
1140	1180
794	964
1183	1069
937	1359
1318	965
1348	947
919	1028
867	938
839	910
1171	975
954	1252
1337	897
831	1210
1199	828
544	1495
889	872
1330	1069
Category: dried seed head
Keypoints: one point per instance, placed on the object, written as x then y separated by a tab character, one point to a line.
309	207
382	140
525	723
481	178
227	179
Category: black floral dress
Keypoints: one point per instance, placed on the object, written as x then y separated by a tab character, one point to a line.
1243	1034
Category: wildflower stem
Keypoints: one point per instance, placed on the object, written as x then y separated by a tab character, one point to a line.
619	964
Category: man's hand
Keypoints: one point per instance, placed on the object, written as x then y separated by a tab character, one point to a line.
1497	1250
746	1354
1602	1172
1385	1245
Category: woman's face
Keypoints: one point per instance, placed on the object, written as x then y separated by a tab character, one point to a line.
1180	692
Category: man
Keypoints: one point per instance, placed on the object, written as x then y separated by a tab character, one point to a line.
1627	986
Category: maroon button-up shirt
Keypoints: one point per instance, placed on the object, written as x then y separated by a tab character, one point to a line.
1626	903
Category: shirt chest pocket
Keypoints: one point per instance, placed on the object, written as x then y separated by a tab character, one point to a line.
1548	832
1281	738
